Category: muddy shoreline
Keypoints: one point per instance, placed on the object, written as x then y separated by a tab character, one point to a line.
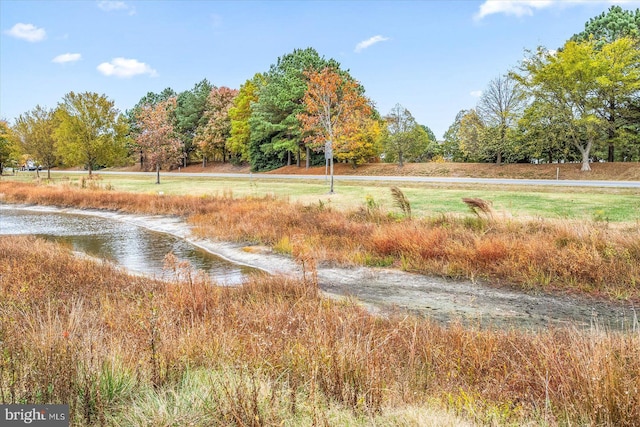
384	290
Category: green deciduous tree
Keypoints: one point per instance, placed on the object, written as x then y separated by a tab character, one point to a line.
566	82
91	132
430	134
6	144
36	130
499	108
604	31
405	139
472	136
542	134
618	86
590	90
451	145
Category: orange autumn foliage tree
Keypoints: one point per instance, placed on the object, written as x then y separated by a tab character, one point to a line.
212	137
157	140
335	110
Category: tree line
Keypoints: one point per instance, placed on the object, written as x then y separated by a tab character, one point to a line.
304	109
578	103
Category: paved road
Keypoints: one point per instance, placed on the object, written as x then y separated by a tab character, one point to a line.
414	179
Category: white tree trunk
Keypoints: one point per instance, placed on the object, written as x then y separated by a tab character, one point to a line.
585	151
585	162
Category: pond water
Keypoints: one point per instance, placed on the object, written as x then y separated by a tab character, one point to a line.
135	248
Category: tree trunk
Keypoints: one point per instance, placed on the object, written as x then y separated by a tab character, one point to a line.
158	173
585	161
288	158
611	132
584	150
298	158
331	172
503	138
141	160
49	172
400	159
308	157
611	156
90	169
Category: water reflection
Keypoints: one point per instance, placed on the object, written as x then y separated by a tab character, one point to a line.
134	248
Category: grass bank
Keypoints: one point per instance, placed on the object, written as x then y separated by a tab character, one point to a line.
123	350
427	199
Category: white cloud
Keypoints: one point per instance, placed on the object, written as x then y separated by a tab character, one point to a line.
28	32
113	5
511	7
125	68
476	93
67	57
370	42
528	7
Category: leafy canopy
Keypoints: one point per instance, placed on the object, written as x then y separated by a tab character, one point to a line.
239	114
36	133
275	129
159	144
91	132
211	137
405	139
614	24
335	111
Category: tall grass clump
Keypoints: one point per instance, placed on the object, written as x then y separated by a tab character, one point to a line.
129	350
401	201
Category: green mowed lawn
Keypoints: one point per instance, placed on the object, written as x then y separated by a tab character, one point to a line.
611	205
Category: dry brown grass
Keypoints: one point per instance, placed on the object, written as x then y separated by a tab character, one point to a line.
566	256
86	334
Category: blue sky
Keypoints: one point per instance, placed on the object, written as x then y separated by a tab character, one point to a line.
432	57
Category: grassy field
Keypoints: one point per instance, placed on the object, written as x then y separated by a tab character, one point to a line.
596	204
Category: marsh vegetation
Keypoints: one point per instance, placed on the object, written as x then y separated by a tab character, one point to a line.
125	350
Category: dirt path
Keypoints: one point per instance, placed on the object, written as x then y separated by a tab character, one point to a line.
385	289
